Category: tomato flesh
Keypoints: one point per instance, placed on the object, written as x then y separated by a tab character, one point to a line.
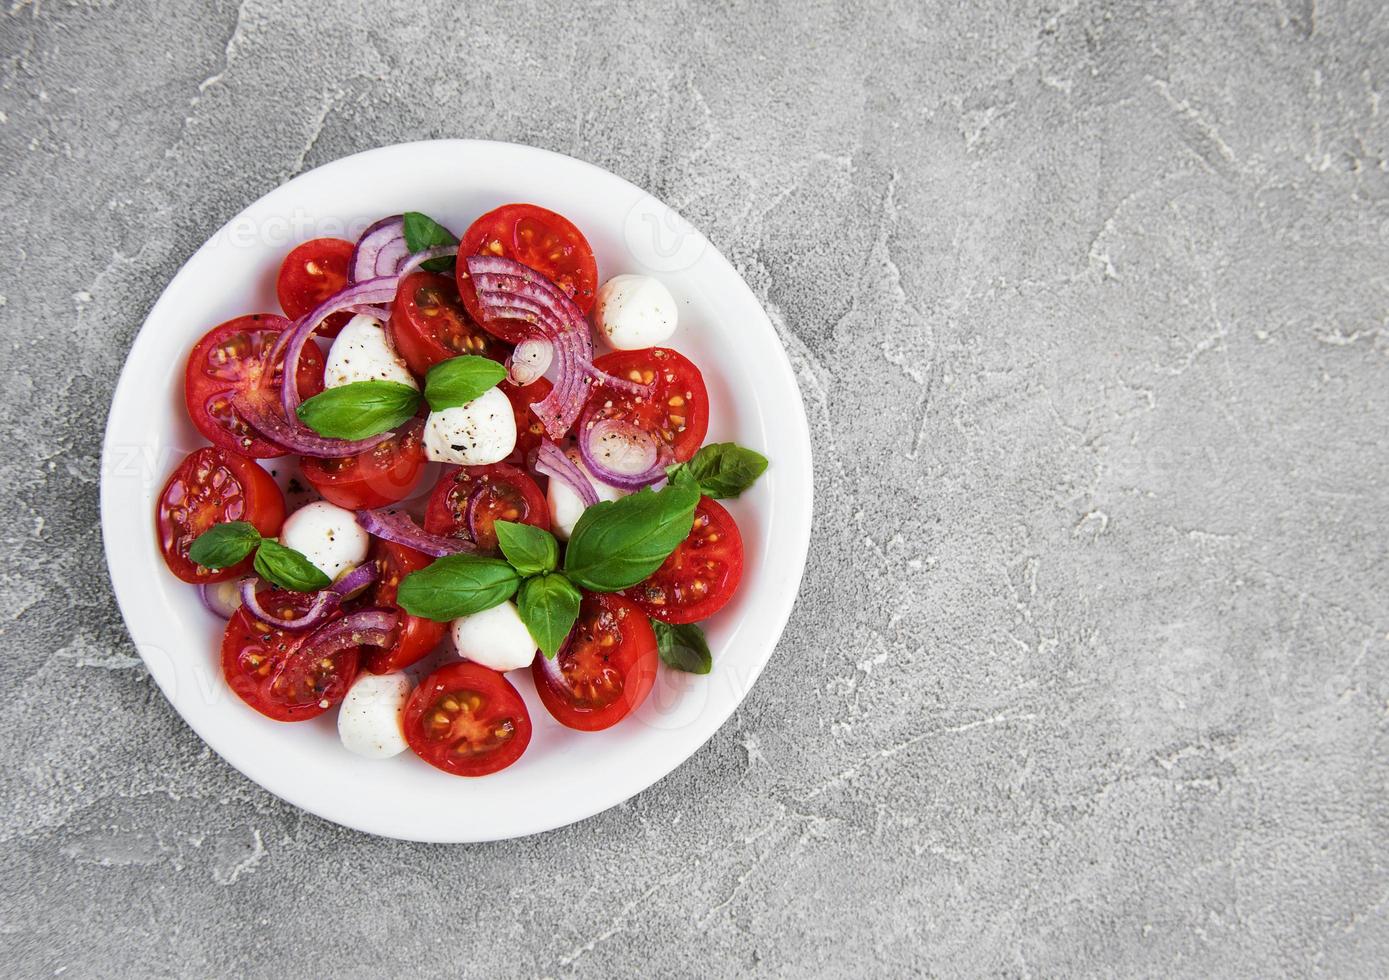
415	636
547	242
274	671
467	720
677	410
529	429
700	575
428	324
230	359
212	486
382	475
503	493
311	273
605	669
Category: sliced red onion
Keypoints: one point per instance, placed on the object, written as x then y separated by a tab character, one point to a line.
355	580
379	251
370	292
221	598
529	360
423	256
364	628
324	602
259	410
618	384
556	464
621	455
397	527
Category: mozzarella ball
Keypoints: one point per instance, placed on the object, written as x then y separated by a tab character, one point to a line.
369	719
495	638
565	505
328	536
633	312
479	432
360	353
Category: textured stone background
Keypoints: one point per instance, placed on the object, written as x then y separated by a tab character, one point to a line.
1089	307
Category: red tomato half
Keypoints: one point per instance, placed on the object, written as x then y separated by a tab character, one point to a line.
310	274
533	236
428	324
529	429
677	413
701	574
274	672
504	494
415	636
382	475
230	358
605	669
467	720
212	486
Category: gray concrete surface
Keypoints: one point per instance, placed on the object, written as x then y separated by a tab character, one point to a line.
1089	308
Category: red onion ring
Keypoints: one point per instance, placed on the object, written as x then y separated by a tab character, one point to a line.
222	599
621	455
556	464
529	360
379	251
364	628
397	527
324	602
258	409
359	578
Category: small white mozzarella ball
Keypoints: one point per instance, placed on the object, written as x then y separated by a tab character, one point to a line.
479	432
328	536
495	638
565	506
633	312
361	353
369	719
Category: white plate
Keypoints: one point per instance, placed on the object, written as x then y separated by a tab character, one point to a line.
564	775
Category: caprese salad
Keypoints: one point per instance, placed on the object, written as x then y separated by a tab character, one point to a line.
573	529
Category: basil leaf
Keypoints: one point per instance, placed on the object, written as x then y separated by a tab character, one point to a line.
360	410
223	545
288	569
459	380
549	605
723	469
422	232
530	550
683	647
457	585
617	543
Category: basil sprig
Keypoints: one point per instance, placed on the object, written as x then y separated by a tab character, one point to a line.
549	606
459	380
457	585
360	410
530	550
721	469
223	545
422	232
618	543
682	646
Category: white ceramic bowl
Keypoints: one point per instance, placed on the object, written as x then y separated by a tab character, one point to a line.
564	775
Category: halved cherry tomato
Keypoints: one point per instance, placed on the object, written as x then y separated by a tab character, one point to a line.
274	671
677	412
428	324
701	574
230	358
415	636
212	486
467	720
503	493
605	669
382	475
529	429
547	242
311	273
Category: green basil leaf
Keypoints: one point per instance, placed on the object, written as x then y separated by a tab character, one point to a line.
459	380
530	550
422	232
617	543
457	585
549	605
683	647
723	469
223	545
360	410
288	569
